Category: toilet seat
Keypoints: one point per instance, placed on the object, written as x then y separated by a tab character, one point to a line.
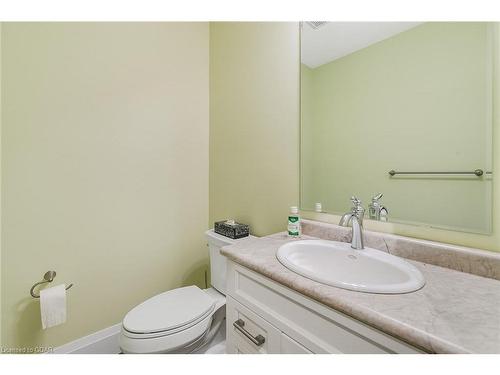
168	342
171	320
168	313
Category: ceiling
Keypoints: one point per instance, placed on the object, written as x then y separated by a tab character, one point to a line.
333	40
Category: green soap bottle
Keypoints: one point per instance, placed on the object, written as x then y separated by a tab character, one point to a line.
294	229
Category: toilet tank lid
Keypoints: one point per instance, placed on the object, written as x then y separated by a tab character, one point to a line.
220	240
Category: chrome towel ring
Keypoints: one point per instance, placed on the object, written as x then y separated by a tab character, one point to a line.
47	278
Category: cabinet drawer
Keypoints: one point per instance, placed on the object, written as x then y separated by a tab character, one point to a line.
249	333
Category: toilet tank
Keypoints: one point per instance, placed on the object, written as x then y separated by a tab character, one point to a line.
217	261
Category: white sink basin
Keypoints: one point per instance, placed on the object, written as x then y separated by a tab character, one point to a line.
337	264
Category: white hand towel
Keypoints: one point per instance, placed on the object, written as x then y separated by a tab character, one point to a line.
53	306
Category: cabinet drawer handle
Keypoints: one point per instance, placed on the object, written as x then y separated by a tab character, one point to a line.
257	340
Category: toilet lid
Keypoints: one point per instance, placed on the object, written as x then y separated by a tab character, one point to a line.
170	310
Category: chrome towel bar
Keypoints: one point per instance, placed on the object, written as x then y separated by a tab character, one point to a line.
477	172
47	278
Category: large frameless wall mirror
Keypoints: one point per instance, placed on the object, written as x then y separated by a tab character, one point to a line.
401	109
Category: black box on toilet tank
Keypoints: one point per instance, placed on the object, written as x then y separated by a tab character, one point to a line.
231	229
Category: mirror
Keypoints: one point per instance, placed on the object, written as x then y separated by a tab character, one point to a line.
400	109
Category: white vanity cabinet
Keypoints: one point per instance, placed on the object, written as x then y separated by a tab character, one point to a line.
264	316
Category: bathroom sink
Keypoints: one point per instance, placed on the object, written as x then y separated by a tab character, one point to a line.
337	264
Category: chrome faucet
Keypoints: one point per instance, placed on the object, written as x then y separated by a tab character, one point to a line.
376	211
355	217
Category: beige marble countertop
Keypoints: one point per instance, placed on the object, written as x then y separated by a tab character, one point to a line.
455	312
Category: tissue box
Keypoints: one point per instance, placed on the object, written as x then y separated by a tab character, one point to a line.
231	229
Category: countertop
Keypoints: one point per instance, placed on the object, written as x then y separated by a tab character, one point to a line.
455	312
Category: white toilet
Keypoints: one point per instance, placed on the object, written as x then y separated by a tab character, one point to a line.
181	320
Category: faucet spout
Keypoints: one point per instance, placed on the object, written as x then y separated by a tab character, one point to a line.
355	217
357	234
345	219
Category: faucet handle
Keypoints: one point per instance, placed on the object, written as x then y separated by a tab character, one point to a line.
355	201
357	207
377	197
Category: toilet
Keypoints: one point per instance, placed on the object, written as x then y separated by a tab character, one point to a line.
181	320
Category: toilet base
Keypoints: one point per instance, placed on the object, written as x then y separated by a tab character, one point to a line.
217	345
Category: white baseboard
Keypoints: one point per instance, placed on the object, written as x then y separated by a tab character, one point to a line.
102	342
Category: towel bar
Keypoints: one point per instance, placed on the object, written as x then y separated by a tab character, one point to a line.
477	172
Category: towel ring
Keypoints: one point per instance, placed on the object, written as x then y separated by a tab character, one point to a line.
47	278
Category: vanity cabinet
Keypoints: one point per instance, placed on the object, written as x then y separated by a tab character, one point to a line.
264	316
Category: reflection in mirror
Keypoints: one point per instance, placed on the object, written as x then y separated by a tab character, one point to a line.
413	99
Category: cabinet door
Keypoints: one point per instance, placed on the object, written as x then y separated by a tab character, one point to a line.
248	333
290	346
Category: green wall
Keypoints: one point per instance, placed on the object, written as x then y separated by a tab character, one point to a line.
105	158
104	169
420	100
254	123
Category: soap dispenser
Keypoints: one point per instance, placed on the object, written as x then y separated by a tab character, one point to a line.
294	226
